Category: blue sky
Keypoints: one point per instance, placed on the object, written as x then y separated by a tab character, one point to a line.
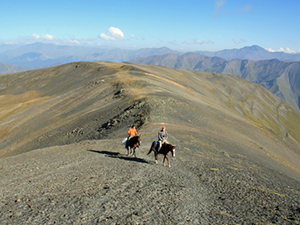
184	25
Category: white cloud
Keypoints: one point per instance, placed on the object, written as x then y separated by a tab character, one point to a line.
48	38
218	5
287	50
8	42
246	8
173	42
199	42
75	42
186	42
239	41
112	34
132	36
72	37
270	50
44	37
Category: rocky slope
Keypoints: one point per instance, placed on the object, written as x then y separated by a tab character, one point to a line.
62	161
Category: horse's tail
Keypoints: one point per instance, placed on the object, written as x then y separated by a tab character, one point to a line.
152	147
127	143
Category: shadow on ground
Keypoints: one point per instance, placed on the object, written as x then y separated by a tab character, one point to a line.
119	156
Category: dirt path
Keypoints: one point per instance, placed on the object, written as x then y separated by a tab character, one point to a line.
85	183
88	183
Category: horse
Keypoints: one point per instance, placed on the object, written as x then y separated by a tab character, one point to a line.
132	144
165	149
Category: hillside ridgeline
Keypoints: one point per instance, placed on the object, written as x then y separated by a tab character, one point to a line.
279	77
62	160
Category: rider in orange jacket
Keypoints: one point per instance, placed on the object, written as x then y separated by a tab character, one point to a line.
132	132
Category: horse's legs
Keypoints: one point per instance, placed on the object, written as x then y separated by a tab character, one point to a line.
133	152
156	157
129	150
166	157
149	151
168	161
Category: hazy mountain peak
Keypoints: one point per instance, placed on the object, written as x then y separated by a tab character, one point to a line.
254	48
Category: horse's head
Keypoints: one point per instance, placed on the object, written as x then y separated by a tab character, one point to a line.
139	139
173	150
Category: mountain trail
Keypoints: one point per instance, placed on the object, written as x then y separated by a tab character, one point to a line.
96	182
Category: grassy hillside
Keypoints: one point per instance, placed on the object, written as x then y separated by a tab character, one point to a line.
280	77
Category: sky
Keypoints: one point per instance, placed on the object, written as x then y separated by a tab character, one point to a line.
183	25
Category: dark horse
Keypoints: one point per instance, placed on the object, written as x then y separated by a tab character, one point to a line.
132	144
165	149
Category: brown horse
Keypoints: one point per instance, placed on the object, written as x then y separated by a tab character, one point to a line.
132	144
165	149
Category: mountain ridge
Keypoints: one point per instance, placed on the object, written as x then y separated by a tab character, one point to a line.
253	52
246	101
7	68
62	160
280	77
53	54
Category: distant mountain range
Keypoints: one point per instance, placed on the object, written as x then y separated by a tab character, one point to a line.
252	53
7	68
277	71
280	77
41	55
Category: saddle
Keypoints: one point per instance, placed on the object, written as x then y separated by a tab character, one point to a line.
157	145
